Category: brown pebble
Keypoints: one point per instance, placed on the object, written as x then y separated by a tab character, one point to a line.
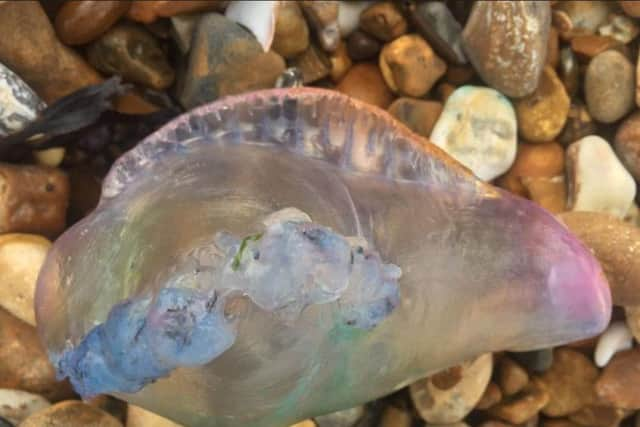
444	91
614	243
631	7
598	415
80	22
116	407
627	144
632	317
581	17
419	116
33	199
533	160
313	63
524	405
365	82
553	48
609	86
569	71
590	45
507	43
24	365
619	384
495	423
558	423
409	65
511	377
550	193
395	417
458	74
132	103
361	46
30	48
578	125
147	11
491	396
291	35
71	413
542	114
323	18
383	21
569	382
340	62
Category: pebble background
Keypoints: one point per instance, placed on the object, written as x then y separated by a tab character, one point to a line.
539	97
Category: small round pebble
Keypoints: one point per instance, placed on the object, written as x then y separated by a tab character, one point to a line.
362	46
291	35
365	82
80	22
619	383
478	128
419	116
383	21
609	86
627	144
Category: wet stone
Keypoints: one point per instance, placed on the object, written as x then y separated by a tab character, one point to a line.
132	52
627	144
147	11
550	193
630	7
589	46
80	22
537	361
19	104
512	378
291	77
383	21
582	17
291	35
16	405
491	396
340	62
395	417
609	86
313	63
365	82
568	71
619	27
524	405
362	46
619	383
323	18
71	413
182	28
599	415
578	125
419	116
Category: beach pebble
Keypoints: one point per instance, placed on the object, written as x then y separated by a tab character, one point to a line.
542	114
361	46
383	21
491	396
582	17
364	81
225	59
345	418
305	423
550	193
511	377
71	413
80	22
449	396
627	144
609	86
340	62
616	338
395	417
21	256
16	405
619	383
182	28
597	180
569	382
409	65
147	11
139	417
619	27
323	18
111	405
419	116
600	415
19	104
478	128
615	243
507	43
291	36
532	160
632	317
523	406
537	361
578	125
313	63
130	51
553	48
630	7
591	45
569	71
349	15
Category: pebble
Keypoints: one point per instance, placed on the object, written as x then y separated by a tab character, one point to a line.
619	383
80	22
553	48
550	193
395	417
583	17
30	48
532	160
597	180
523	406
538	361
25	365
365	82
345	418
323	18
313	63
559	423
619	28
449	396
71	413
491	396
459	74
568	71
291	36
21	256
632	317
362	46
609	86
409	65
435	22
383	21
478	128
507	44
20	104
349	15
182	29
116	407
147	11
257	17
16	405
139	417
340	62
512	378
578	125
542	114
614	243
444	90
225	59
590	45
599	415
627	144
569	382
631	8
33	199
616	338
418	115
132	52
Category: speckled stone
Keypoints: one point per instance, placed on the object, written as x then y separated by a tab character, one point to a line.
609	86
627	144
19	104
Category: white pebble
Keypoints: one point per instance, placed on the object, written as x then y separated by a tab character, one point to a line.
16	405
616	338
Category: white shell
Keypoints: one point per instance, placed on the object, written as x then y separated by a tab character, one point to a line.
19	104
616	338
258	16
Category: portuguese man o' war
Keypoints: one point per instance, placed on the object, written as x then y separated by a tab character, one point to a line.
282	254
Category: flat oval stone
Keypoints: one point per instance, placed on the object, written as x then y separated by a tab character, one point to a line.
507	43
19	104
609	86
132	52
478	128
291	35
80	22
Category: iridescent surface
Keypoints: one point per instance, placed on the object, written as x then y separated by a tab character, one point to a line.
451	267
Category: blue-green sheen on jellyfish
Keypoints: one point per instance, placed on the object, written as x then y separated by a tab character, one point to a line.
282	254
